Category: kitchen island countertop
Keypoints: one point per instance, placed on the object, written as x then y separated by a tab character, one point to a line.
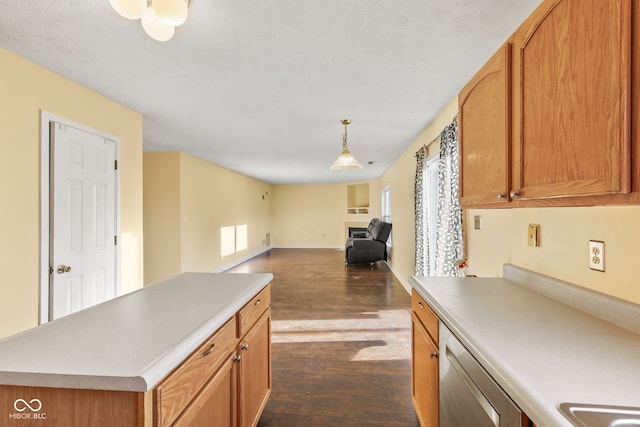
541	351
131	342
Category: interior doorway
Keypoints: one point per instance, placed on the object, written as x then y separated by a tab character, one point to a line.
79	217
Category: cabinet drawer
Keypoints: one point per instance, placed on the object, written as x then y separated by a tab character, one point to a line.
176	391
428	318
251	312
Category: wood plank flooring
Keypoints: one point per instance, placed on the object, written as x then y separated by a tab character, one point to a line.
341	351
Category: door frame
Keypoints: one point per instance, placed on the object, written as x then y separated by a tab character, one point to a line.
44	309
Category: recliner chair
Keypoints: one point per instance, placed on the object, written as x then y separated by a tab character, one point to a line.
370	246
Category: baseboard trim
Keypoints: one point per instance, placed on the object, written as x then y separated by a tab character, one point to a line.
241	260
405	283
308	247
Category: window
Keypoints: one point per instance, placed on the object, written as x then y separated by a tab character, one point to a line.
386	205
386	215
431	206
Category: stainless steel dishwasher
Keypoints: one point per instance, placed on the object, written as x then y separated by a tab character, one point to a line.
468	394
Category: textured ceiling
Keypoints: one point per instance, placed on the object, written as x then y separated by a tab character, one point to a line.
260	86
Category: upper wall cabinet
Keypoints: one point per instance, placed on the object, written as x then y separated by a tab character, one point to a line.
485	133
572	100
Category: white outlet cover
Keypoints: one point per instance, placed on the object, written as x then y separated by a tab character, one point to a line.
596	255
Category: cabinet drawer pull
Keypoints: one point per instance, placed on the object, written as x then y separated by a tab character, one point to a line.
208	352
434	355
421	305
244	346
257	302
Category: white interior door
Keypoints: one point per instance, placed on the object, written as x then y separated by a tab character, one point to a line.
83	220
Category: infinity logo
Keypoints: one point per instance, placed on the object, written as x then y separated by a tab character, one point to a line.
21	405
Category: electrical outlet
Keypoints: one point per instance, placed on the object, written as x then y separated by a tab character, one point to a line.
596	255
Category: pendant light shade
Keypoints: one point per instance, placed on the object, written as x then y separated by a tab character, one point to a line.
173	12
155	27
345	161
130	9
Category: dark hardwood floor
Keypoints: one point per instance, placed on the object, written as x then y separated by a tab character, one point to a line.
341	342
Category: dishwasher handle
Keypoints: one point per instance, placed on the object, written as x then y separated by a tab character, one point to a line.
473	388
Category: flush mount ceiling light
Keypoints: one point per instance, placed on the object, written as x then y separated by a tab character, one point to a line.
345	161
159	17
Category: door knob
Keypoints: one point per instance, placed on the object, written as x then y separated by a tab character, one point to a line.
63	269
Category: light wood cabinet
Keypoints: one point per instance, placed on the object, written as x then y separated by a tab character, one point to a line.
216	404
572	98
424	362
255	371
178	390
573	137
227	380
484	107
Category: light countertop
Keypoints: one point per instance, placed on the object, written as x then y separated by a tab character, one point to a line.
129	343
541	351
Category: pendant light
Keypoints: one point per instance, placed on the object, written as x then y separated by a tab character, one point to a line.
345	161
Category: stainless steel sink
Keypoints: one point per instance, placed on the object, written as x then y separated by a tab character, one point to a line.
587	415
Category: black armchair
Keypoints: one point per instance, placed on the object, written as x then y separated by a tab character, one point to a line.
369	246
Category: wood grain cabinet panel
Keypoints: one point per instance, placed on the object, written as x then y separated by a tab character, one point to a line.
177	390
424	374
485	133
572	99
216	405
255	371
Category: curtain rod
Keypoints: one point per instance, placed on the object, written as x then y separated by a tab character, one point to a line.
426	146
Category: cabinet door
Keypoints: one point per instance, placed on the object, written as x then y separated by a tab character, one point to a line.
485	132
215	405
255	371
424	375
572	65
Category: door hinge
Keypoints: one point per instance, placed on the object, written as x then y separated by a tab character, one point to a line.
115	240
115	164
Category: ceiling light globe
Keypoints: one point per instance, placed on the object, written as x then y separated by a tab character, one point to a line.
173	12
156	28
130	9
346	162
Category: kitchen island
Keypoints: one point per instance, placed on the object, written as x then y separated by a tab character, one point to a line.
151	357
542	340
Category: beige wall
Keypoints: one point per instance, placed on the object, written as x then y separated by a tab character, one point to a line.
161	215
201	198
503	237
315	216
401	178
27	89
564	245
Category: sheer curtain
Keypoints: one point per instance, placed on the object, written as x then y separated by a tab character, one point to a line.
449	239
422	225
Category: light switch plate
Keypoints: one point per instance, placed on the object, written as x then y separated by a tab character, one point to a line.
596	255
534	235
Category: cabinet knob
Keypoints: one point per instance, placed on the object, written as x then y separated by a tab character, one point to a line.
515	194
502	196
244	346
433	355
420	305
237	358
